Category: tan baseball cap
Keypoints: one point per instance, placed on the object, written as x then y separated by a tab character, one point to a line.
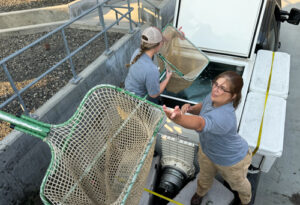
152	35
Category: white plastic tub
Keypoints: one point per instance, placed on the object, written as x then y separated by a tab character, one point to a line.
280	75
272	137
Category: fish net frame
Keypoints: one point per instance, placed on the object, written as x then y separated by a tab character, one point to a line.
124	157
103	153
182	57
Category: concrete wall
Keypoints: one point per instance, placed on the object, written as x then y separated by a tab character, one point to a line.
78	7
164	10
24	159
167	9
34	16
159	16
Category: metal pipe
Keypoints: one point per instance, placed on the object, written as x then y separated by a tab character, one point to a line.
102	23
130	23
58	64
156	11
29	119
131	9
68	54
19	92
151	4
11	81
116	13
49	34
58	29
139	9
30	126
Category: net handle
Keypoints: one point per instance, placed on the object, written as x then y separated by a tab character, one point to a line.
26	124
34	127
170	64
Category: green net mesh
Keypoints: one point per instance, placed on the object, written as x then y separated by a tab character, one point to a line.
183	58
106	146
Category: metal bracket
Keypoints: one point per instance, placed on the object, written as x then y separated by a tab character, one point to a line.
108	53
75	81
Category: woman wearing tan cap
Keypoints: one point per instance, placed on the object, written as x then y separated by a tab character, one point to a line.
143	75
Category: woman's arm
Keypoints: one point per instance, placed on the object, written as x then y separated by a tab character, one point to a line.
163	84
187	121
195	109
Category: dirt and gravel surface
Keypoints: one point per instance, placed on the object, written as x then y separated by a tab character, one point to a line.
36	60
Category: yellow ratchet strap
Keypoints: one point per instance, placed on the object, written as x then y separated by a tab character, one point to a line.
163	197
266	98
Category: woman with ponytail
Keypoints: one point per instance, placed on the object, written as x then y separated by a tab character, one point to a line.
143	75
222	150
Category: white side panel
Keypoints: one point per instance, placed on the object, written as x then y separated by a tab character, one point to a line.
220	26
280	73
267	163
272	137
264	162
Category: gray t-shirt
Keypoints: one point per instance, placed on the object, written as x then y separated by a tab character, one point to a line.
219	138
143	76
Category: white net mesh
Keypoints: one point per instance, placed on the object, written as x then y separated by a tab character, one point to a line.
96	153
182	57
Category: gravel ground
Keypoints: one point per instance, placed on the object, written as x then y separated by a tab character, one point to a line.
34	61
15	5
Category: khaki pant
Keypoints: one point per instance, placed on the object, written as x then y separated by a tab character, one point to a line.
235	175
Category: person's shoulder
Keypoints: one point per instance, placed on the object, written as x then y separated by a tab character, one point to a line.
149	65
225	113
207	99
220	113
223	119
152	71
136	51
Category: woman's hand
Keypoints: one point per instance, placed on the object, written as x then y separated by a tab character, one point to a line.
187	121
172	114
182	37
186	108
168	73
169	36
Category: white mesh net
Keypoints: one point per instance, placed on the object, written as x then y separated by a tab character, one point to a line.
96	154
182	57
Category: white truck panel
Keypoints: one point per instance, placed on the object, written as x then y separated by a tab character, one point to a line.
222	28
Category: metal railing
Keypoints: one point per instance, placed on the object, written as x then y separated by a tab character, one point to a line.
156	13
119	16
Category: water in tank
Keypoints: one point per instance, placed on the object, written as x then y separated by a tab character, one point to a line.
202	85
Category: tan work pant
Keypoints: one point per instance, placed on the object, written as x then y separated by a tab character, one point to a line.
235	175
